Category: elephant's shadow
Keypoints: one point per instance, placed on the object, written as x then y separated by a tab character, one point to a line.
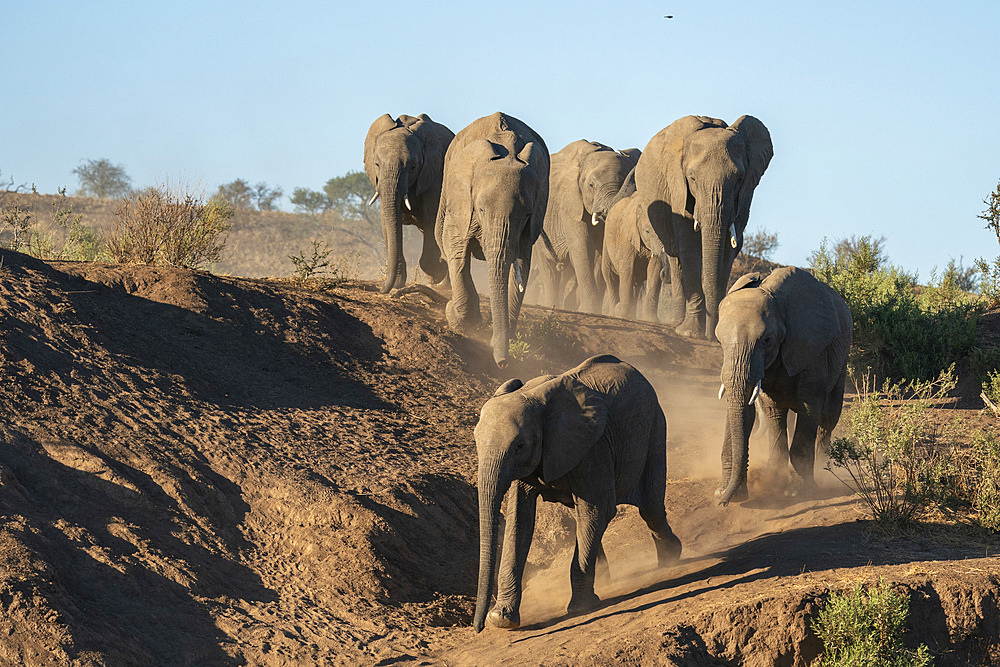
790	553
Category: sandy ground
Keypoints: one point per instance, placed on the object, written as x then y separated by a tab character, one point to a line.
205	470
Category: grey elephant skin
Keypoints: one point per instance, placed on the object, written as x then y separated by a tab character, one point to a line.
496	188
404	160
633	257
592	438
785	341
584	182
700	169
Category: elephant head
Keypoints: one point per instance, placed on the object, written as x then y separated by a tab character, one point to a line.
541	429
707	172
601	175
404	158
789	318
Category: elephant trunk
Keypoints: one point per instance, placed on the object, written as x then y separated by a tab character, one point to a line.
392	191
499	269
491	492
740	384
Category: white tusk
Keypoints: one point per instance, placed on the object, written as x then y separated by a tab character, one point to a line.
697	225
593	218
722	391
732	235
372	200
406	200
517	277
755	394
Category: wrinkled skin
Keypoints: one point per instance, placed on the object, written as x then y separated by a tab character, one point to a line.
792	334
592	438
633	256
404	160
585	180
698	168
496	188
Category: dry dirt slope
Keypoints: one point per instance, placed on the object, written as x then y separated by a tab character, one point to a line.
204	470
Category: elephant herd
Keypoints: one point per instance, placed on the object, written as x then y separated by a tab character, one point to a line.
607	227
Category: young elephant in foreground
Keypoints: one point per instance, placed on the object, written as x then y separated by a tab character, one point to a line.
592	438
785	340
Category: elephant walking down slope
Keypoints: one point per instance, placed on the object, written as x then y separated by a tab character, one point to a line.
785	341
585	180
496	188
404	160
591	438
699	175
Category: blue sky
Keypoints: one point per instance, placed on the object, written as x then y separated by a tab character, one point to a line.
884	118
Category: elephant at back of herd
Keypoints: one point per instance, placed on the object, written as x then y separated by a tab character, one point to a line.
585	180
678	216
611	226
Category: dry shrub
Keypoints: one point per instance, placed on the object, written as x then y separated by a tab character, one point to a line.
158	226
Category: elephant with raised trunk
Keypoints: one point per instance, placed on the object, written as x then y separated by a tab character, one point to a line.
496	188
404	160
592	438
699	175
785	341
585	180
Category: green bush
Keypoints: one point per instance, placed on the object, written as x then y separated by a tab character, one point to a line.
898	332
864	628
890	450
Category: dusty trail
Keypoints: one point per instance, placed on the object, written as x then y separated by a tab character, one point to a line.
206	470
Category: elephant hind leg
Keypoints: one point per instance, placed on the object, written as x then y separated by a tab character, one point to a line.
668	546
430	258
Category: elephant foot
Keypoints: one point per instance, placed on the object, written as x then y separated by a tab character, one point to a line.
689	328
581	603
668	550
458	323
505	619
741	494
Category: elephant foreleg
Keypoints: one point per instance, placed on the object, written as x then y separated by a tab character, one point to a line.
777	435
462	310
675	305
521	502
626	291
651	303
581	256
689	245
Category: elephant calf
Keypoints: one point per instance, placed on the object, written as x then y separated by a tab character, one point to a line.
591	438
785	341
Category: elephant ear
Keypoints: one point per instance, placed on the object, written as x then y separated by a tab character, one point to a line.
746	281
536	156
436	139
564	183
759	154
633	155
572	422
383	123
812	320
508	386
